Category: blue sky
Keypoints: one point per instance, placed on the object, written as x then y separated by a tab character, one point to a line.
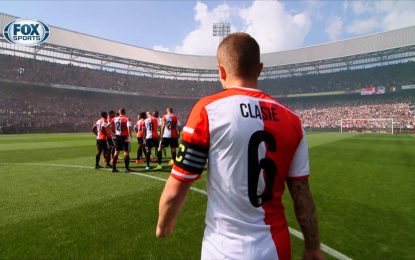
185	26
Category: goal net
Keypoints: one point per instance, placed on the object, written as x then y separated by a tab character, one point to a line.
369	125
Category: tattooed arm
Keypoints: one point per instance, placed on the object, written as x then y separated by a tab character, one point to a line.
305	212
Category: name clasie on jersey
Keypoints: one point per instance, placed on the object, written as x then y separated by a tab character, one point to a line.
259	112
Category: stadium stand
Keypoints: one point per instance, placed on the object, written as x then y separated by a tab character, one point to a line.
34	109
63	85
26	109
37	71
326	112
394	75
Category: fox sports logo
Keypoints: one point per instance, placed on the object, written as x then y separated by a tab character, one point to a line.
27	32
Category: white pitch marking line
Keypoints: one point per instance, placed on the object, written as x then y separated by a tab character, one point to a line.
332	252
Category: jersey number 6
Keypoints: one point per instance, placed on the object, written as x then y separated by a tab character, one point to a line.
255	166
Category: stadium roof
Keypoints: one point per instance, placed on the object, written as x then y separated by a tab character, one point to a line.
379	42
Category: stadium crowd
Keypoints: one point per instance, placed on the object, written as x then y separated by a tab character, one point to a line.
26	108
34	107
13	67
387	76
326	116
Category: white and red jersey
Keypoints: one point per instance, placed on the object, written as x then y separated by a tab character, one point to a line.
111	126
139	126
171	123
122	126
253	144
160	122
102	129
151	126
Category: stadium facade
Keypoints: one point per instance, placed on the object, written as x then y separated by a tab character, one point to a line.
60	85
69	47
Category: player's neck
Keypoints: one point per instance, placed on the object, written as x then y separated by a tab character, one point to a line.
237	82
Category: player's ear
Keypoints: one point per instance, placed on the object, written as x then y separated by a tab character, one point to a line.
222	72
261	66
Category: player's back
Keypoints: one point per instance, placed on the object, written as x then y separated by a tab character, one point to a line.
122	124
102	125
111	127
249	133
140	126
170	122
151	126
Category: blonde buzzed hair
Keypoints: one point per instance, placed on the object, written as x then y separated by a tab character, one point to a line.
239	54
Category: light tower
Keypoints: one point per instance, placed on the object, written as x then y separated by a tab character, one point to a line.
221	29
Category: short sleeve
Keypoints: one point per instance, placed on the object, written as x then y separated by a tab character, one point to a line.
300	166
196	130
193	151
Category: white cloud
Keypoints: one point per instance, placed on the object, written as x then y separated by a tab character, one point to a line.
382	15
268	22
334	27
314	8
345	6
200	41
277	28
160	48
360	7
274	27
399	16
363	26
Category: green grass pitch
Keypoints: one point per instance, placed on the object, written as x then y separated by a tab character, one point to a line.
53	204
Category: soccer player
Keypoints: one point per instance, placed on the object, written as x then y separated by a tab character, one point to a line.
111	138
169	133
116	114
253	145
100	129
138	127
123	135
151	139
156	114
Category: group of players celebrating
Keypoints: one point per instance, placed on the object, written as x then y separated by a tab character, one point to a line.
114	133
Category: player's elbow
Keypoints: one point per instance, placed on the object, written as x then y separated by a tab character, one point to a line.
164	231
170	197
160	234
